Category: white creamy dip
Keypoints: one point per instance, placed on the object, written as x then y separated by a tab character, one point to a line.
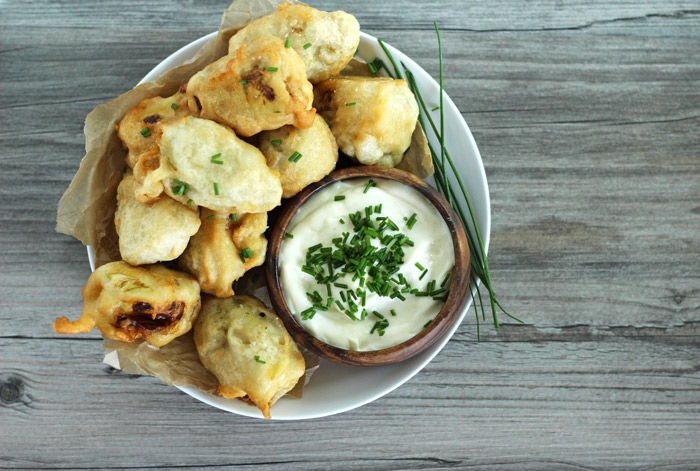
318	222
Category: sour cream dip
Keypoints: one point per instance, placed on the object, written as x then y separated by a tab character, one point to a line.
366	264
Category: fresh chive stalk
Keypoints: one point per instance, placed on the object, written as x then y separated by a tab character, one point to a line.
443	164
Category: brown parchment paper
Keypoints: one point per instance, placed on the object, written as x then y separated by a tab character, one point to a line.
86	209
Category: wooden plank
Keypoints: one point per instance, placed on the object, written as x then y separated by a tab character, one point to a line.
605	404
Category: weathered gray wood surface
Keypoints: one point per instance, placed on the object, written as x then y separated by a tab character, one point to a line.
588	119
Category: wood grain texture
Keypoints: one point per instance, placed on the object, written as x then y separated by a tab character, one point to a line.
587	119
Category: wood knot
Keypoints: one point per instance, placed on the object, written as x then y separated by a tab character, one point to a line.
11	389
678	299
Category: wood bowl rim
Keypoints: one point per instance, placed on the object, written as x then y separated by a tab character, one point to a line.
450	311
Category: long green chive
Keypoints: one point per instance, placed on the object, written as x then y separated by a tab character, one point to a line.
215	159
479	260
272	69
216	189
288	43
307	45
339	198
276	142
257	358
174	106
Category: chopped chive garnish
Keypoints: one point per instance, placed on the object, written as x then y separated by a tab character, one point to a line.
411	221
339	198
370	184
435	109
447	277
189	203
328	122
423	274
419	266
216	189
295	157
288	43
288	235
210	217
245	253
215	159
272	69
145	132
393	313
341	220
277	111
307	45
372	68
243	81
427	323
174	106
340	285
257	358
179	188
234	217
378	314
352	103
276	142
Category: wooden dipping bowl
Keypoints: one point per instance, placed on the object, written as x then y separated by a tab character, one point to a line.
450	311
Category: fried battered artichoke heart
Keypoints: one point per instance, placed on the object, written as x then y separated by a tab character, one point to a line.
326	41
216	253
372	118
151	232
247	348
136	129
260	86
199	162
126	303
318	149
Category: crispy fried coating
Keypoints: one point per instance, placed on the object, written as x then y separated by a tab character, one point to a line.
127	303
326	41
187	167
260	86
151	232
144	116
318	149
248	349
372	118
216	253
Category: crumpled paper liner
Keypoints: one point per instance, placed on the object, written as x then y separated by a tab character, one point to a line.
86	209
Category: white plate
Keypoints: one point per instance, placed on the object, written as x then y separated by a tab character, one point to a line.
337	388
